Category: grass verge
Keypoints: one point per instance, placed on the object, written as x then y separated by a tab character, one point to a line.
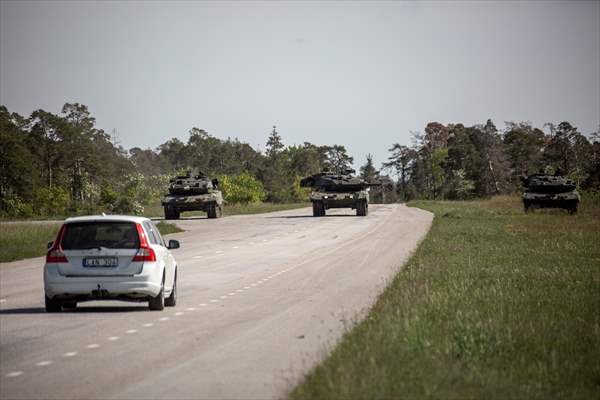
493	304
156	210
25	240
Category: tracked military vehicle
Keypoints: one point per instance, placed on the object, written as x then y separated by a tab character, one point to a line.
549	191
341	190
193	192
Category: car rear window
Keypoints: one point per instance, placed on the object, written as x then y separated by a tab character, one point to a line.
109	234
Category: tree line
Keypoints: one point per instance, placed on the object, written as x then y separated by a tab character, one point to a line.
455	161
58	164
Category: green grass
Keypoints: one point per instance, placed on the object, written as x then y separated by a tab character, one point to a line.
494	304
230	209
25	240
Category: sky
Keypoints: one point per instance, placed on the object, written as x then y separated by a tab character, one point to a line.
361	74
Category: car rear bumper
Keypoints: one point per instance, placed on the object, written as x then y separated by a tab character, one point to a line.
141	286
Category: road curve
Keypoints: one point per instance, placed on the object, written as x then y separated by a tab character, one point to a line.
262	298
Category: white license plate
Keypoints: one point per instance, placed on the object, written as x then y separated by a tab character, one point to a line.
100	262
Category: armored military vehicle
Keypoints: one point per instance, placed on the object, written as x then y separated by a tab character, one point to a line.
193	192
341	190
549	191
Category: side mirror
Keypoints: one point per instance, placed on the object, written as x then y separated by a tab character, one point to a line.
173	244
50	244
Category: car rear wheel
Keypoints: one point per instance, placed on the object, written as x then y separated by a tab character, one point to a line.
53	305
158	303
171	301
69	304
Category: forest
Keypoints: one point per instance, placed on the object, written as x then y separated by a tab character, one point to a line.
63	164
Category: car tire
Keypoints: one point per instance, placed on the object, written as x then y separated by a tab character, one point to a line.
53	305
69	304
171	301
158	303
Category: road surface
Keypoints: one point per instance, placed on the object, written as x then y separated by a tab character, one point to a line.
262	298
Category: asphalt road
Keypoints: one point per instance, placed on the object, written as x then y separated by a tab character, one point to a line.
262	298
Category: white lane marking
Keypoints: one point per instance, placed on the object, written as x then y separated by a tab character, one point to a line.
231	294
223	297
191	309
214	301
93	346
164	319
240	290
251	242
235	247
70	354
148	325
43	363
198	256
202	304
265	240
113	338
130	331
219	252
14	374
253	284
2	300
246	287
178	313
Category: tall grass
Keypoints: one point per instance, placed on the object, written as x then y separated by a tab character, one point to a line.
494	304
25	240
156	210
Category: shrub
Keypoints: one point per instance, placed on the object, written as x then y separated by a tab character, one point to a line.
241	188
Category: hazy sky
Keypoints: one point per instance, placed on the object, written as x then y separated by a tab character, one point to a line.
353	73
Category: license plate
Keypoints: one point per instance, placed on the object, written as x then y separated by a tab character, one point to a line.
100	262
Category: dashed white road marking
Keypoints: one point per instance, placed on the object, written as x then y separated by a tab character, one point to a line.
240	290
253	284
231	294
191	309
214	301
265	240
235	247
164	319
178	313
223	297
202	304
130	331
93	346
198	256
148	325
70	354
43	363
14	374
113	338
2	300
246	287
219	252
251	242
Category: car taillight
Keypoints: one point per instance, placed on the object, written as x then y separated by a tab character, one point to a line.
145	252
55	253
56	256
